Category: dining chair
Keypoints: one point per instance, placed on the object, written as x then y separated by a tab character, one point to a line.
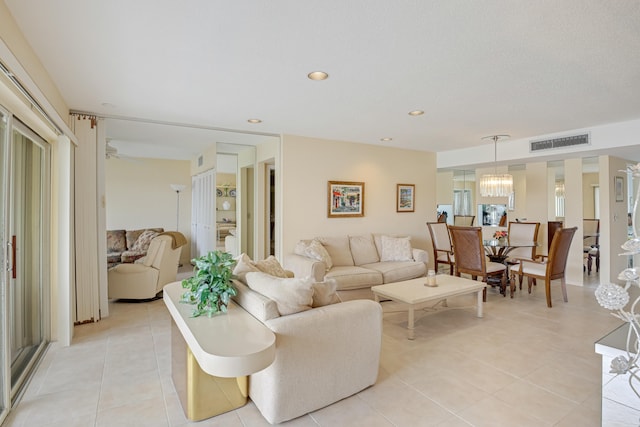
552	226
441	241
463	220
551	267
503	220
471	258
591	242
522	232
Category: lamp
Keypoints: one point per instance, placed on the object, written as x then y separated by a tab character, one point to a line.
496	185
177	188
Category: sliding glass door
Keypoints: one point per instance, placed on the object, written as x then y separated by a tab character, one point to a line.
24	214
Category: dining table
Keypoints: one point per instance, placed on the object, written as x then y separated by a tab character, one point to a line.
498	250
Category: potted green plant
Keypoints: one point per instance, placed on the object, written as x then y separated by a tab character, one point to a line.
210	288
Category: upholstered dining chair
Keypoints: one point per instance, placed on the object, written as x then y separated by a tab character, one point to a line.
463	220
522	232
591	242
551	267
441	241
471	258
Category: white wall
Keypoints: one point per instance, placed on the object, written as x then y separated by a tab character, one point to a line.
138	196
613	219
602	139
308	164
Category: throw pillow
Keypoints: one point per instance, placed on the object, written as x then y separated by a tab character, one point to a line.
271	266
291	295
243	266
144	240
315	250
338	249
396	249
116	241
363	249
324	293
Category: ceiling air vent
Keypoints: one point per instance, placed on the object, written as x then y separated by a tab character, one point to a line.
563	142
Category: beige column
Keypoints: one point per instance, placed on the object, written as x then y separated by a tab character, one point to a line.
573	217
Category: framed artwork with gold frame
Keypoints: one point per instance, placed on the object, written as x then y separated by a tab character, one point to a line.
345	199
405	197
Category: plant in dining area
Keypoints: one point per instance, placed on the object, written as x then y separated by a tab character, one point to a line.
500	234
210	288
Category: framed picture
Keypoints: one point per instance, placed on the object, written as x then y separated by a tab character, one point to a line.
619	188
345	199
405	197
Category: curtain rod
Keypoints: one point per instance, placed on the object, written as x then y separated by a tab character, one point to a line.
35	104
168	123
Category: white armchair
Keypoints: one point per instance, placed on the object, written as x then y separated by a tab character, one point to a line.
145	278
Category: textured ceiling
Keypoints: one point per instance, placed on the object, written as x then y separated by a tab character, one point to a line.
476	68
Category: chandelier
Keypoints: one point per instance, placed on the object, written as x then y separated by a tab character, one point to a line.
496	185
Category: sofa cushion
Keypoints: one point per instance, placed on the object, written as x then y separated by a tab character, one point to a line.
397	271
244	265
132	256
313	249
363	250
113	257
132	235
324	293
258	305
395	249
271	266
291	295
144	240
354	277
338	249
116	241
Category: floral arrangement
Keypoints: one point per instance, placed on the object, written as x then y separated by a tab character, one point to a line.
500	234
615	297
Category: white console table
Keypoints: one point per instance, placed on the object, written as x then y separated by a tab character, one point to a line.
211	358
620	405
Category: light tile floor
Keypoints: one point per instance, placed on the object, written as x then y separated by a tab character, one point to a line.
521	365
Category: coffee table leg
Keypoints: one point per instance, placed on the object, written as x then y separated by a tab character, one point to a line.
410	322
479	303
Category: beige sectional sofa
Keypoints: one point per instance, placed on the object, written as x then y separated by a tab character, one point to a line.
318	360
357	262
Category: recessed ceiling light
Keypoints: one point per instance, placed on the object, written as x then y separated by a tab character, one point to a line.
254	121
416	113
318	75
386	139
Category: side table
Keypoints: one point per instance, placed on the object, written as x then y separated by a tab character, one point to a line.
211	357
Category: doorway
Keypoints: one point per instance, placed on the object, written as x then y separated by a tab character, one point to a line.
271	210
24	230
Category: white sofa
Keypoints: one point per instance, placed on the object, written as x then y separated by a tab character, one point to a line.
358	262
322	355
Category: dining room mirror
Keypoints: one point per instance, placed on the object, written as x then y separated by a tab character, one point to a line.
464	186
556	193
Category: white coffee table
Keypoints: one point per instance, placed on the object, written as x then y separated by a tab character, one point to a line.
414	294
